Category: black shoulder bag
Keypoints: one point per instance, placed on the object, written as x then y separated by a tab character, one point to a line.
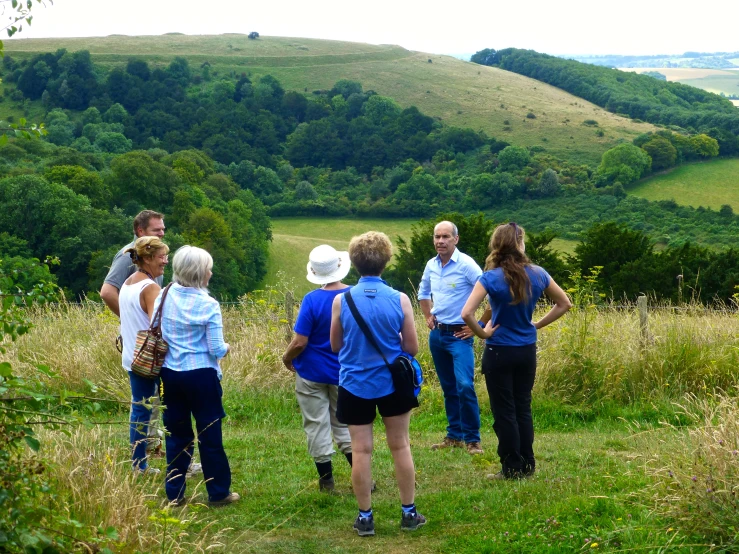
405	370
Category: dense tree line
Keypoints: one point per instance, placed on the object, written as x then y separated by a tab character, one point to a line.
77	207
636	96
218	156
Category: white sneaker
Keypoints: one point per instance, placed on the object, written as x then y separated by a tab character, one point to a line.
194	469
148	470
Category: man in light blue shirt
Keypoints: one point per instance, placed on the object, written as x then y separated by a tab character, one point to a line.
447	281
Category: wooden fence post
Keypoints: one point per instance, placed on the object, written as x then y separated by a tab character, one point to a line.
289	300
641	304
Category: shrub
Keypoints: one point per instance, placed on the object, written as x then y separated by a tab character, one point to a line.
530	115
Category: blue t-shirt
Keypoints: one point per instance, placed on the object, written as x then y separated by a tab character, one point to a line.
515	328
363	372
317	362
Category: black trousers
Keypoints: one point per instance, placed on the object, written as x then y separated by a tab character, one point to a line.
509	376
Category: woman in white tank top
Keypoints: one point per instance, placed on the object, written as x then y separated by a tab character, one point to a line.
136	301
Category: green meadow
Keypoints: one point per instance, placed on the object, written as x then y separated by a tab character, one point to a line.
455	92
617	426
709	184
294	238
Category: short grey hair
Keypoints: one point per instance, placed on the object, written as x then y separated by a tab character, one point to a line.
455	231
190	266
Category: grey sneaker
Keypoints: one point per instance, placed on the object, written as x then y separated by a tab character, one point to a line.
148	470
194	469
364	526
411	521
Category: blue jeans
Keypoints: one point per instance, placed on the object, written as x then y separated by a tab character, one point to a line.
455	365
141	390
196	393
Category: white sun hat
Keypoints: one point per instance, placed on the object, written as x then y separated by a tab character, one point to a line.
327	265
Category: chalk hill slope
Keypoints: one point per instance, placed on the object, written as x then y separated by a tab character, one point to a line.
456	92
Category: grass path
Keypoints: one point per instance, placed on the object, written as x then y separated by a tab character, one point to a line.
586	489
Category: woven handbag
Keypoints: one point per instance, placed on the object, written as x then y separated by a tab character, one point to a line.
150	349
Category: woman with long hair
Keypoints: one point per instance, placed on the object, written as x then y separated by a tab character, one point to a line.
514	286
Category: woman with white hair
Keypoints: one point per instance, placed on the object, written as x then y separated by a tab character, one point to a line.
316	366
192	326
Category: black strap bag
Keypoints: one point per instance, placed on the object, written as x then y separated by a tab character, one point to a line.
405	370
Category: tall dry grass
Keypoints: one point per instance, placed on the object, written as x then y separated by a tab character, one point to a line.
599	354
94	483
697	478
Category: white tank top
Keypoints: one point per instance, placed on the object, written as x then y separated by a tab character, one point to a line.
133	317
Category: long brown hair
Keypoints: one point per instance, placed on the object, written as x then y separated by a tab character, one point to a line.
506	252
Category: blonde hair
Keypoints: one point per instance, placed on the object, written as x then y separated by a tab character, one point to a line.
506	252
190	266
145	248
370	253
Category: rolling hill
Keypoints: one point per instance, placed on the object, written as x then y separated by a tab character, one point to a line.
454	91
713	80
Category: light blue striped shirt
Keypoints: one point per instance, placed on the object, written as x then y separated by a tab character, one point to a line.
449	286
193	328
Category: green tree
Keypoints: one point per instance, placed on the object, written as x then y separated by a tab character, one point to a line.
610	246
81	181
136	176
549	183
704	146
662	152
513	158
624	163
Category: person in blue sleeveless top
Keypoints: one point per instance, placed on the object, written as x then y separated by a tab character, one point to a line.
513	285
365	383
309	355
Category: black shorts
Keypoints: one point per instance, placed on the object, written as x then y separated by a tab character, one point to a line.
353	410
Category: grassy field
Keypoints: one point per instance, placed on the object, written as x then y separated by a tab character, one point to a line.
712	80
606	461
294	238
710	184
456	92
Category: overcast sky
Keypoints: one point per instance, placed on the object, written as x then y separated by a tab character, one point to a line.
453	27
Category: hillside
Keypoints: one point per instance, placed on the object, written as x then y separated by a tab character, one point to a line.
709	184
456	92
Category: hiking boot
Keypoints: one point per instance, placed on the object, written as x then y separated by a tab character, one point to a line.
473	448
230	499
364	526
448	442
194	469
411	521
326	484
496	476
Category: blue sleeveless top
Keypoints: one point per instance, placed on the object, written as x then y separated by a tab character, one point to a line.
363	372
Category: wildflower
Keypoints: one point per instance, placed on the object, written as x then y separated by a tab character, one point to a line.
694	478
670	474
594	545
733	452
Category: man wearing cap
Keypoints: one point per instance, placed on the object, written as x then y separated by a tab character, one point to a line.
315	365
447	281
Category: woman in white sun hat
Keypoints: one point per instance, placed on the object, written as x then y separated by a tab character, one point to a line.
315	366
